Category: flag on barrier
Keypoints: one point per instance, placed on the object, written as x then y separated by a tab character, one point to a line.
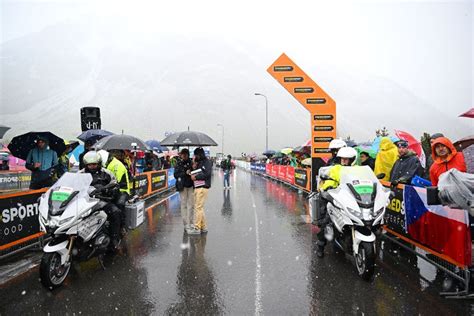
441	228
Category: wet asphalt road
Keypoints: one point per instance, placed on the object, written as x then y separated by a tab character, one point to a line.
258	257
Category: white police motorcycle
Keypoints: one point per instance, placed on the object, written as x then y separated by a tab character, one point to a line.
356	210
71	212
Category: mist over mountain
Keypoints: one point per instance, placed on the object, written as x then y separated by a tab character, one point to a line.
147	84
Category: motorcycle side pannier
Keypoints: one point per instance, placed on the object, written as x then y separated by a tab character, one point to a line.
134	214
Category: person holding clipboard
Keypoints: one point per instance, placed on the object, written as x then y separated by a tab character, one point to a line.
201	175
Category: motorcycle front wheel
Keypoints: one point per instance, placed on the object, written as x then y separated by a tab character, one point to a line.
365	260
52	272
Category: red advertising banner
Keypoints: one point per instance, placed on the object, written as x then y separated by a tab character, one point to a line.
290	175
282	173
268	169
275	171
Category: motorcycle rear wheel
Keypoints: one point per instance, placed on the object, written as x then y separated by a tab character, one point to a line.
365	260
52	272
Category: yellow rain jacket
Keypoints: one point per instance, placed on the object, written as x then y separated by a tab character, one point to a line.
386	157
119	171
335	174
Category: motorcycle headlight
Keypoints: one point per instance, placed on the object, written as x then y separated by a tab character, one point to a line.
354	212
64	221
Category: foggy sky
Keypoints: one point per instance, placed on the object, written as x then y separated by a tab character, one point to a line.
420	47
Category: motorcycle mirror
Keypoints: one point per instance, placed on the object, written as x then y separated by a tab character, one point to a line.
381	176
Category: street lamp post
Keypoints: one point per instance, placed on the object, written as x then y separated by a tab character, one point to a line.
222	138
266	119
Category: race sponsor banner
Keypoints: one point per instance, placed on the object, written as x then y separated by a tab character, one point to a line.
395	212
275	171
290	175
302	178
258	167
282	173
171	179
14	180
19	217
141	184
269	169
158	180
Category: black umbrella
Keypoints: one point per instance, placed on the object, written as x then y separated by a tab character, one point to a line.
269	153
3	130
120	142
94	135
21	145
188	138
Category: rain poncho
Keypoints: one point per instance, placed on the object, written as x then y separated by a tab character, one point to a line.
386	157
457	189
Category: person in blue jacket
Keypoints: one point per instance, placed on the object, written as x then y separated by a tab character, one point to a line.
42	162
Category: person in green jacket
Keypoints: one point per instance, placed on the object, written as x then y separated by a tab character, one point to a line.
118	169
120	172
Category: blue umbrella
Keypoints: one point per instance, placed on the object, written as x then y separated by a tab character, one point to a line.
94	135
76	152
376	144
155	145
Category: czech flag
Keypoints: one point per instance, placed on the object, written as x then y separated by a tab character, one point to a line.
438	227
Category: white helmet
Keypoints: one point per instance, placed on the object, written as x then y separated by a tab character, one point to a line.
104	156
92	157
348	152
337	143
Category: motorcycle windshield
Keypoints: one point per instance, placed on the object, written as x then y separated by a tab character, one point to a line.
357	173
69	186
360	180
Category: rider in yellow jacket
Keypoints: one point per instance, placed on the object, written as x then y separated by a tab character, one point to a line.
346	157
118	169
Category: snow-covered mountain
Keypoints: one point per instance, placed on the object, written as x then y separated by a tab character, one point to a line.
147	84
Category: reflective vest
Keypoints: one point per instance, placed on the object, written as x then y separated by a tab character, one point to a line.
119	171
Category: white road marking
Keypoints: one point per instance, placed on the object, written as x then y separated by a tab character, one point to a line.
258	270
